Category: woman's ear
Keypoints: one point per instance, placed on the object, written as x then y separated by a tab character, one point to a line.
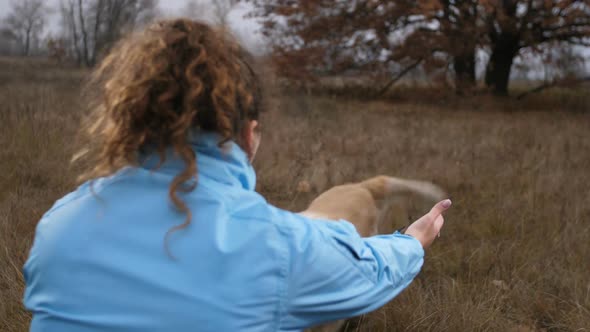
251	138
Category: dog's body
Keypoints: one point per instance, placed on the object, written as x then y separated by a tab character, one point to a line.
364	205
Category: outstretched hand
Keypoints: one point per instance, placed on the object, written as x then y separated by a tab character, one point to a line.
428	227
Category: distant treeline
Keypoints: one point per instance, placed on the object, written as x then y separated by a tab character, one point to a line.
461	45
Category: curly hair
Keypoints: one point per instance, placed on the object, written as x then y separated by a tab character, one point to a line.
157	86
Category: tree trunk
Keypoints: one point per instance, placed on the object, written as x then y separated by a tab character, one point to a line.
28	33
397	77
72	19
500	64
84	33
27	42
464	72
97	39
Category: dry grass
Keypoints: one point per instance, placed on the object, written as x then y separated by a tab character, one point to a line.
514	255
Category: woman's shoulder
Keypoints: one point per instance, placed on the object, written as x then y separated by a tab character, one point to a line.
81	191
295	224
87	188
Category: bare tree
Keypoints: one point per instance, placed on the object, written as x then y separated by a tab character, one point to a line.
7	41
83	30
26	21
69	26
93	26
211	11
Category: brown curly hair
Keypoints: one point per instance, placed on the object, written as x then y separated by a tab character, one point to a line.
156	86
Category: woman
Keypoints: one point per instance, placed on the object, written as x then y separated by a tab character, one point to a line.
168	234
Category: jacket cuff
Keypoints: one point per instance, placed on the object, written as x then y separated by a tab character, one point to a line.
413	242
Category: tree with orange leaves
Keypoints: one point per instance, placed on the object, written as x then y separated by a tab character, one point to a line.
514	26
311	37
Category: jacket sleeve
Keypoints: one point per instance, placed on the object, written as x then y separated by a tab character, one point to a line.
333	273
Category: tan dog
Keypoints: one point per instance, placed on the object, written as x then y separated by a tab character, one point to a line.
364	205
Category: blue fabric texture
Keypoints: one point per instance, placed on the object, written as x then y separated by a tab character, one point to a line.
99	261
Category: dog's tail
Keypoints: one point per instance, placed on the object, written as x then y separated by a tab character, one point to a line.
383	187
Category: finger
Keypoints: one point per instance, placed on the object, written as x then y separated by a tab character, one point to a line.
438	223
439	208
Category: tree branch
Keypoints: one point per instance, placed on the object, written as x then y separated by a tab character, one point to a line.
398	77
549	85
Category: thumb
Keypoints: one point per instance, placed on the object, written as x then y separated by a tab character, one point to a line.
439	208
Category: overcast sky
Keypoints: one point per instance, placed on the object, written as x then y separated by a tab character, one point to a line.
244	29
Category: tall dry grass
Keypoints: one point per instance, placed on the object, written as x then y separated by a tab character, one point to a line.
514	254
38	116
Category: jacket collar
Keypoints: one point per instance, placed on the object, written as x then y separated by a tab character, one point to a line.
227	164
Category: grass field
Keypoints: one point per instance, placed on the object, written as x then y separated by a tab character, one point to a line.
514	254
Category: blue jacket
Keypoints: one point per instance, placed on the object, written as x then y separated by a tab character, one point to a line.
99	261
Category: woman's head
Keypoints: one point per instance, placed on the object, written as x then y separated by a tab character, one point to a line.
155	87
175	77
